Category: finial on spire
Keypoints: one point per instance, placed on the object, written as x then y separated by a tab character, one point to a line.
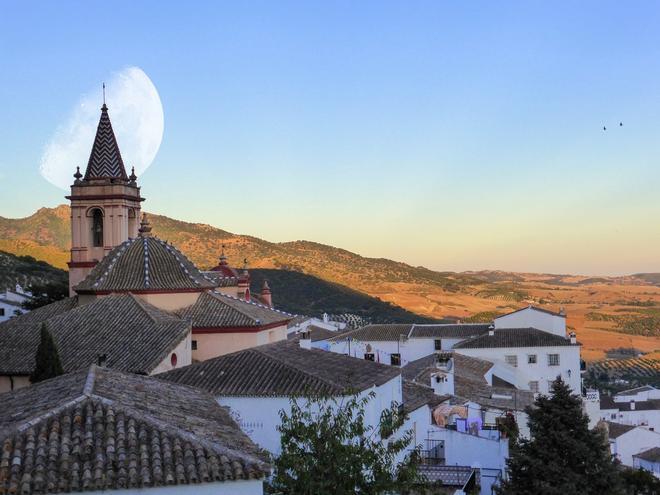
245	264
103	94
145	227
132	177
77	175
223	257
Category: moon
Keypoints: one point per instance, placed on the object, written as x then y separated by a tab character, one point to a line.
137	117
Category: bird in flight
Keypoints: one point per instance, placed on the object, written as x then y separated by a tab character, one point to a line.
604	128
620	124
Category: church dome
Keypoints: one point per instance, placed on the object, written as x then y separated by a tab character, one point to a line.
144	264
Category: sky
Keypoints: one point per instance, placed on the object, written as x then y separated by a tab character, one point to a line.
454	135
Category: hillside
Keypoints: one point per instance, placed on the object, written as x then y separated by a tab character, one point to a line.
25	270
606	312
308	295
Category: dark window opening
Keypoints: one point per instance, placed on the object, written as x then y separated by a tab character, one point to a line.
97	228
369	356
395	359
438	344
194	345
2	311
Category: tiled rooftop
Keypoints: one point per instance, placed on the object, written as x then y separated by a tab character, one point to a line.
283	369
82	332
514	337
213	309
101	429
144	264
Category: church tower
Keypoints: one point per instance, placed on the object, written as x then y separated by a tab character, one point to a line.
105	204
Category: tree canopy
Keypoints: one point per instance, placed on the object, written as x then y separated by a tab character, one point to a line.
48	363
328	448
563	456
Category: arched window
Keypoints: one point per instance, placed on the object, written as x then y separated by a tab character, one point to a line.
97	228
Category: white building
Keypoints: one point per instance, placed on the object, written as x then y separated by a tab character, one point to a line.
626	440
637	407
538	357
11	302
302	323
259	382
649	460
534	317
399	344
101	430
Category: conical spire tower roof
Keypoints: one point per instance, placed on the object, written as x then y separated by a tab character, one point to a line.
105	159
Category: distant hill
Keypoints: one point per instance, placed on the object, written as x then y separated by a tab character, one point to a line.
308	295
596	306
25	270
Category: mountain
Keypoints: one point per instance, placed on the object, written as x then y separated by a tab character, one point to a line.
606	312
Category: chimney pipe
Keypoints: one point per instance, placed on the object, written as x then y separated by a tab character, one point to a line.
491	331
573	338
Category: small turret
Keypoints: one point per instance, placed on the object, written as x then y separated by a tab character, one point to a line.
266	295
244	282
145	227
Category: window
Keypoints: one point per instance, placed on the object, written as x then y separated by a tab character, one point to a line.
395	359
531	358
97	228
511	360
437	343
173	360
2	311
369	356
194	345
613	416
553	359
534	387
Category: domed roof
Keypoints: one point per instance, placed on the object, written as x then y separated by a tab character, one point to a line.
144	264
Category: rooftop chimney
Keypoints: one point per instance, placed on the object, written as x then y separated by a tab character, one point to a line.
632	405
101	359
442	381
573	338
305	340
491	331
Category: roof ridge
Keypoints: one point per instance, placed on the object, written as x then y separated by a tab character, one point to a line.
290	365
178	254
214	293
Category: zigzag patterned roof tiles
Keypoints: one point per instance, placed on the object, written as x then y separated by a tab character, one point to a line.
105	159
144	264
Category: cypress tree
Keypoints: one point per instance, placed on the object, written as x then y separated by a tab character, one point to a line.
563	456
47	360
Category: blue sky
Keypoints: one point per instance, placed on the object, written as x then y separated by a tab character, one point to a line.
455	135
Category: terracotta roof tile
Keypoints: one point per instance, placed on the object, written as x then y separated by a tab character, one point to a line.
515	337
215	310
102	429
144	264
282	369
134	335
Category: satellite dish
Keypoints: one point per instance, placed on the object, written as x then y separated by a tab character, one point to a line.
449	365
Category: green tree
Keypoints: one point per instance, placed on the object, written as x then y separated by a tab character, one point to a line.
327	448
563	456
48	363
45	293
639	482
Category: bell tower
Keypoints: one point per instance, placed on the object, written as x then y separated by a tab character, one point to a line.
105	204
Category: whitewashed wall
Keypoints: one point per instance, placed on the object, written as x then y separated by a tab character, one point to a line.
569	360
259	416
633	442
535	319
